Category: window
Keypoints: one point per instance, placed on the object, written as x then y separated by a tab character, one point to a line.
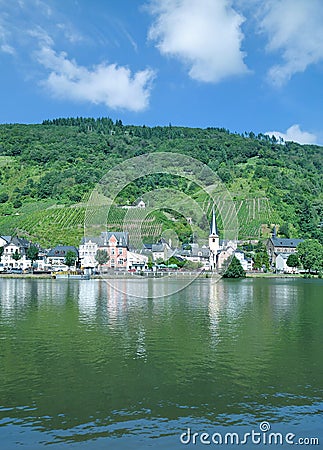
120	251
112	251
120	262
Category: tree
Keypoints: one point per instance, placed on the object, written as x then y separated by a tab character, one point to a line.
4	197
293	260
1	252
32	254
261	259
17	203
16	256
101	257
310	253
70	258
234	270
284	230
307	218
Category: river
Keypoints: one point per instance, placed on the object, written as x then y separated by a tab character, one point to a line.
85	365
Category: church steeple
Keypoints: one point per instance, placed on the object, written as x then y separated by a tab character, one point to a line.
214	242
214	229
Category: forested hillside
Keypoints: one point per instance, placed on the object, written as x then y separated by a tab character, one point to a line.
47	170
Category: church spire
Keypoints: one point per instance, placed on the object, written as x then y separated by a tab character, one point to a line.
214	229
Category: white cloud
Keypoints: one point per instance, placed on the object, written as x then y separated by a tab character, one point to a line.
6	48
295	31
112	85
295	134
203	34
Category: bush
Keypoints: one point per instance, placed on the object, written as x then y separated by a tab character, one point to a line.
4	197
17	203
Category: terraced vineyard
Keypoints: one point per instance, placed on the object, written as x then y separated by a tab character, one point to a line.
51	224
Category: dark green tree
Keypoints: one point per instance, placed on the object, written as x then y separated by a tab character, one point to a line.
1	252
32	254
293	260
261	258
234	270
70	258
310	253
284	230
16	256
101	257
4	197
308	220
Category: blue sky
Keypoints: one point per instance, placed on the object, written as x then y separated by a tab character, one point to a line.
246	65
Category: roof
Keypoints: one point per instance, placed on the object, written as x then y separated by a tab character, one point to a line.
121	237
157	247
195	250
102	240
213	228
6	238
284	242
20	242
283	255
61	250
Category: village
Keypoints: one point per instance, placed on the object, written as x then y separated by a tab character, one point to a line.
111	252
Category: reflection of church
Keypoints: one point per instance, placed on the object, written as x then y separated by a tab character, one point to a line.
220	250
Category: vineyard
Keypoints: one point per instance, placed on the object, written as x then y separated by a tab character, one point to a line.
50	224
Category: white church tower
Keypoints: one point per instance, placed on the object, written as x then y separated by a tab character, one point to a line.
214	242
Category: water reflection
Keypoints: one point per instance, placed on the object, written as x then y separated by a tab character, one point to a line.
82	360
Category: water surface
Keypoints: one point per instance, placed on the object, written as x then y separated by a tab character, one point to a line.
84	365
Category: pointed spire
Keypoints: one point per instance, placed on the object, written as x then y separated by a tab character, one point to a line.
214	229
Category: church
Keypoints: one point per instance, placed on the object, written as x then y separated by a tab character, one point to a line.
220	250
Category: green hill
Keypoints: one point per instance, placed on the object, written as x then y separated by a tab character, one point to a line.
48	170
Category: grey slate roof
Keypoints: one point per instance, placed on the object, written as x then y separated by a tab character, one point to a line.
284	242
157	247
6	238
121	237
61	250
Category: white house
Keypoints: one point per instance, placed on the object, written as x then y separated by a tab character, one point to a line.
14	246
246	263
87	252
281	264
136	261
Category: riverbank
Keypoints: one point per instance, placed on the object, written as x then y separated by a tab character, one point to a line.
273	275
178	275
26	275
